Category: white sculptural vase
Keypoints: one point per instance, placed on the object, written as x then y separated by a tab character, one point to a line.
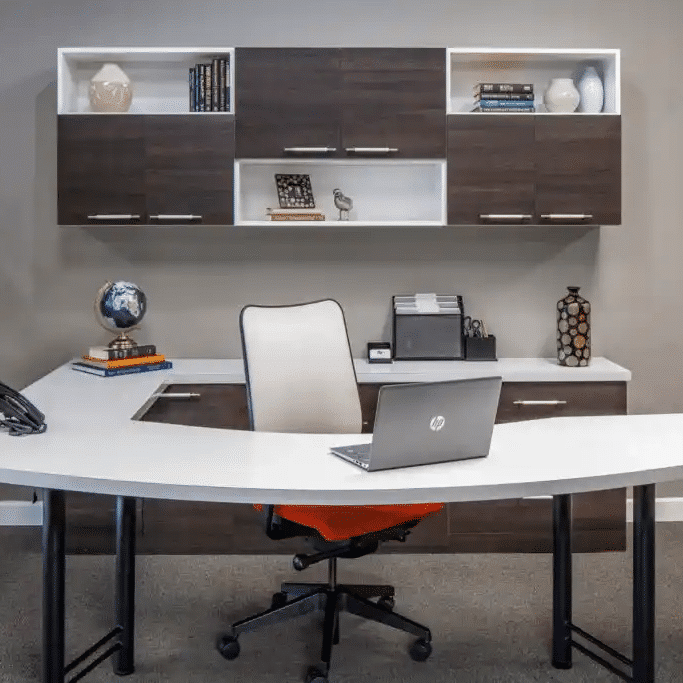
110	90
591	92
561	96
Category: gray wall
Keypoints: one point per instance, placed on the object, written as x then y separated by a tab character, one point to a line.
197	279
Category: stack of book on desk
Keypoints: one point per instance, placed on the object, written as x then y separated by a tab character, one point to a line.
493	97
108	362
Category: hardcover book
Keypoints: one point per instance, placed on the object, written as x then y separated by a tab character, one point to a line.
503	87
107	353
215	84
122	362
113	372
504	96
506	104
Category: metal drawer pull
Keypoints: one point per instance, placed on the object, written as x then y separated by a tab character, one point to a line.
177	395
174	217
505	216
566	216
552	402
309	150
371	150
114	217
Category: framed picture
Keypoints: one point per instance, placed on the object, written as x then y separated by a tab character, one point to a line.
294	191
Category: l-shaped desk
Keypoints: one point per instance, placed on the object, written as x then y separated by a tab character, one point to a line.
93	445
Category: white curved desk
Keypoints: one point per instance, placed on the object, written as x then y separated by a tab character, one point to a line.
93	445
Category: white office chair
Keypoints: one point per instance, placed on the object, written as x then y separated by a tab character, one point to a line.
300	378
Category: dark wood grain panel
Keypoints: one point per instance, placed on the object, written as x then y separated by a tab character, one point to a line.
286	97
491	167
578	162
100	166
394	97
189	166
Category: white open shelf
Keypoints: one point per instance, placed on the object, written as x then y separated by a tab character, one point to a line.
468	66
385	192
159	77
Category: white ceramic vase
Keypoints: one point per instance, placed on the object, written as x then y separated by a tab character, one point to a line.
591	92
561	96
110	90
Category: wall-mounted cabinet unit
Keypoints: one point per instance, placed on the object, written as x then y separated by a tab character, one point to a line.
340	102
381	124
384	192
158	162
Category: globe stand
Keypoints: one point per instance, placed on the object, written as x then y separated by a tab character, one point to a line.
122	342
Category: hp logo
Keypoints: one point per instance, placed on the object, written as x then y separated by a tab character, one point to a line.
437	423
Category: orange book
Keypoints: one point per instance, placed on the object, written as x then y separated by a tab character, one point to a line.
124	362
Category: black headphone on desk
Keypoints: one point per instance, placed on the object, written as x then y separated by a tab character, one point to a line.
18	414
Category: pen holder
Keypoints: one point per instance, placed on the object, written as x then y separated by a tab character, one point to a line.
480	348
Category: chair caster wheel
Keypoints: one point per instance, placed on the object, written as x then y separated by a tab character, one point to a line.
420	650
228	647
315	675
386	603
279	599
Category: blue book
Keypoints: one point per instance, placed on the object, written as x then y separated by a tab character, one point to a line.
505	104
113	372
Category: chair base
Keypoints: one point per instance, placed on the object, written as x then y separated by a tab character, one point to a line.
296	599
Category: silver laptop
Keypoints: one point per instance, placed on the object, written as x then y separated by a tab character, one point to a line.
423	423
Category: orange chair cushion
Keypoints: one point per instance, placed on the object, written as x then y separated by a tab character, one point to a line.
340	522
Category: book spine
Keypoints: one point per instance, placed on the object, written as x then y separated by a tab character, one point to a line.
227	83
113	372
193	100
519	110
107	353
223	88
507	104
201	94
215	85
196	88
207	87
504	96
503	87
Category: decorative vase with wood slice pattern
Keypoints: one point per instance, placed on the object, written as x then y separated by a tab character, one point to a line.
573	329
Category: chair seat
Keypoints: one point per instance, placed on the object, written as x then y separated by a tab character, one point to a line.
341	522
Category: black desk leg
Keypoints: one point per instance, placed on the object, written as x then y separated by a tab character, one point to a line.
562	582
644	583
53	585
125	584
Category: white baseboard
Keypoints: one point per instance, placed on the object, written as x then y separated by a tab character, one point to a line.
666	510
25	513
21	513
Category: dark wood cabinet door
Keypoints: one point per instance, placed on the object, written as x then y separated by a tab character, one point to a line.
578	169
189	168
286	98
100	168
491	169
393	98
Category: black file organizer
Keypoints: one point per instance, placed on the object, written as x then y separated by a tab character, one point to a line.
480	348
428	336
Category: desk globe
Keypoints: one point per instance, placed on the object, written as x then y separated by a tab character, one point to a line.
120	307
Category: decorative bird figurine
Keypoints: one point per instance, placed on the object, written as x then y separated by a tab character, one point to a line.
343	203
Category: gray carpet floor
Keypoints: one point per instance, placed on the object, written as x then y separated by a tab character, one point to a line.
489	615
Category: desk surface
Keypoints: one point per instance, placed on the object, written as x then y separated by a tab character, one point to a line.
93	445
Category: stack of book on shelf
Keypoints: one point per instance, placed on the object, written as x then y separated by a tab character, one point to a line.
108	362
210	85
504	97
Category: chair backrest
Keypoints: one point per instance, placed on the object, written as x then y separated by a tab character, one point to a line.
299	369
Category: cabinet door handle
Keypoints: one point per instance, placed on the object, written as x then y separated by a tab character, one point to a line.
114	217
566	216
309	150
371	150
551	402
175	217
505	216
